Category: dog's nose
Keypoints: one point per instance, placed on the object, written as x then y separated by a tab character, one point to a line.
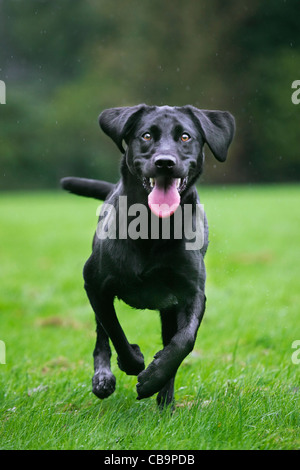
165	162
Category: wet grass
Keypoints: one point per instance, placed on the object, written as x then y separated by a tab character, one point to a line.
239	389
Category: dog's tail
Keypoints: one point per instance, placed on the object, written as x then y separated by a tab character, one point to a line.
86	187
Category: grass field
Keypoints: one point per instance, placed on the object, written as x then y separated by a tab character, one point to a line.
239	389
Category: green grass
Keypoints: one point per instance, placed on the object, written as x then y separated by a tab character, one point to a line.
239	389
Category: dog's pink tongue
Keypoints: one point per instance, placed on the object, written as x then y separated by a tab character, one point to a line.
164	199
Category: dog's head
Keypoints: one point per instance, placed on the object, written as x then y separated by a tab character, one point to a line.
165	146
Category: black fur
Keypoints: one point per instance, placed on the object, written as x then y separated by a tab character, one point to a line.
159	274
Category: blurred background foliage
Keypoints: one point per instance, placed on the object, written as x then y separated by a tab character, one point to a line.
65	61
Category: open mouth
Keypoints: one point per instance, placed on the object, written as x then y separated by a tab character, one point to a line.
180	183
164	194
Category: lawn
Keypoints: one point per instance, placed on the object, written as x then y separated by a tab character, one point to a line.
238	389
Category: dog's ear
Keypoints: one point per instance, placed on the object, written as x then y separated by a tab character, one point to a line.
218	129
118	122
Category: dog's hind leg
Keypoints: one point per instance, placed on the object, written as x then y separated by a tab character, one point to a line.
168	329
104	382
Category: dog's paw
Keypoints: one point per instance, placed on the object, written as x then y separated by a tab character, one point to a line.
104	384
136	363
152	380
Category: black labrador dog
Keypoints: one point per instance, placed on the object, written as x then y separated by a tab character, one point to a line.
132	257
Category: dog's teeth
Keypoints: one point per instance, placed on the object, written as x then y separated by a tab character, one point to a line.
178	181
152	182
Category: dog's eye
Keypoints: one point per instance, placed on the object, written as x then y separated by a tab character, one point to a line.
146	136
185	137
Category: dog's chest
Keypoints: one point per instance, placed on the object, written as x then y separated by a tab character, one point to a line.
156	281
153	290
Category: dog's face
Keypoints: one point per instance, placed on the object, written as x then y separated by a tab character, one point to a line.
165	147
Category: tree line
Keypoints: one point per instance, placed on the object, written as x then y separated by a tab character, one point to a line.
64	62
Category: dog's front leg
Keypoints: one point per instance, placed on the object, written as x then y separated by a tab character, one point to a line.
104	382
161	371
130	358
